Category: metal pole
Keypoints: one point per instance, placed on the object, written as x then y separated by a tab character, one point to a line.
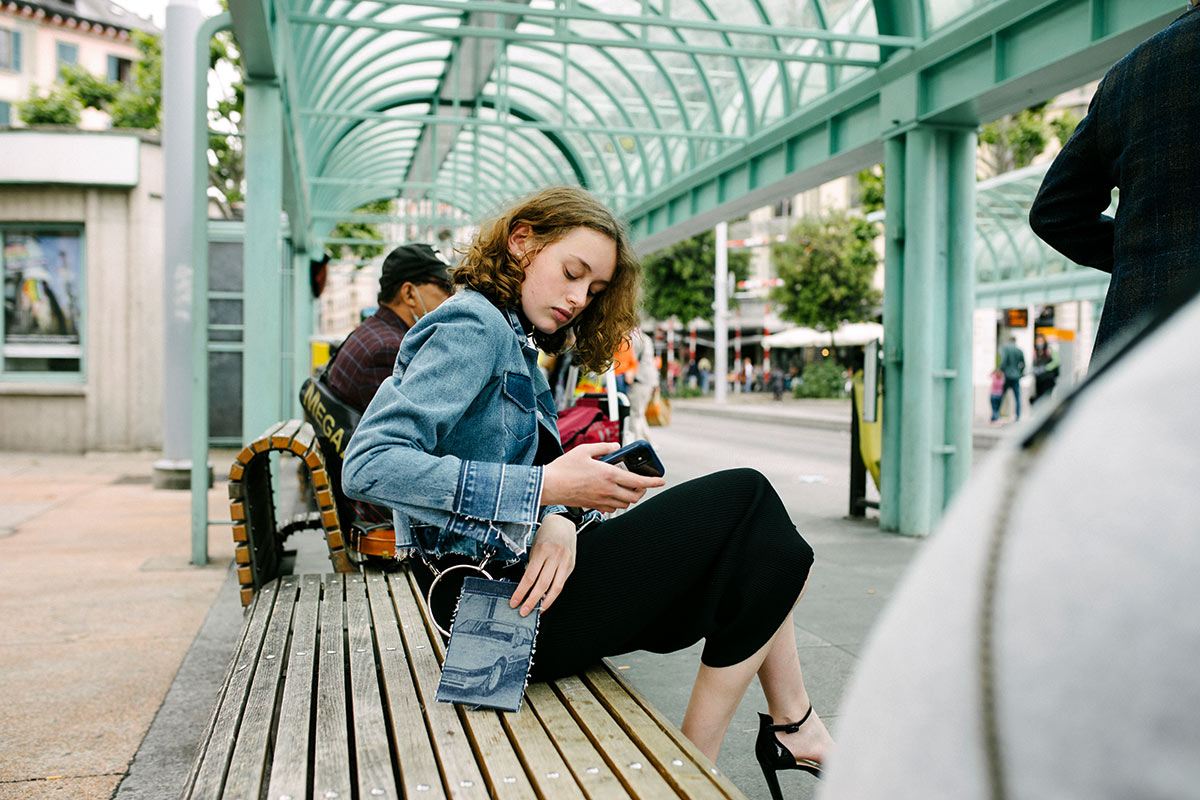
262	279
893	337
920	257
961	311
721	313
197	226
181	240
302	323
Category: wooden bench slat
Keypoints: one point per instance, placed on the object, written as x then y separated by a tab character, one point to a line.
331	757
281	438
304	439
224	733
631	765
676	766
419	774
289	763
264	441
501	767
545	765
253	617
459	770
585	762
351	701
247	767
685	744
373	756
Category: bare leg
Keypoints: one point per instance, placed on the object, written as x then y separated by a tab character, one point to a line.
715	696
787	699
718	691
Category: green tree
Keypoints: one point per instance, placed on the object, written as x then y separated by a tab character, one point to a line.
870	188
226	124
139	104
1013	141
360	230
827	265
92	92
679	279
1064	125
58	106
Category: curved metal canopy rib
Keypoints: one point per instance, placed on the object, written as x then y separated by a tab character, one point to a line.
459	105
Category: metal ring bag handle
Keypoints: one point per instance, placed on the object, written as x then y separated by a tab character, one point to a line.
438	575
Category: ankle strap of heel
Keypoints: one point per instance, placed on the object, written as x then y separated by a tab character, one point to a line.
793	727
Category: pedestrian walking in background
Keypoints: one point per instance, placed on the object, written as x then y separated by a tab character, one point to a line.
1139	136
642	383
1012	364
1045	368
997	394
705	373
625	365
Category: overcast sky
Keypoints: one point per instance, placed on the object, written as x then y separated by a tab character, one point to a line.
157	9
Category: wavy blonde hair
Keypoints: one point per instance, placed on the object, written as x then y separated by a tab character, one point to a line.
490	268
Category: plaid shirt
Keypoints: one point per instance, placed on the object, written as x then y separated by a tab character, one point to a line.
367	358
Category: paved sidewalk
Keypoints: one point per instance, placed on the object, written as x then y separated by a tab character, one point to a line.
98	606
805	412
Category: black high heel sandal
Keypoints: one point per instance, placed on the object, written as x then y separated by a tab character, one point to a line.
773	755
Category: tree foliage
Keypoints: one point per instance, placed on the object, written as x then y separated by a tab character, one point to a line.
138	104
827	265
870	188
57	106
1013	141
679	279
1064	125
91	91
360	230
226	123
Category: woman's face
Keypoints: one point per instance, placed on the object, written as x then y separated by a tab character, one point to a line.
563	279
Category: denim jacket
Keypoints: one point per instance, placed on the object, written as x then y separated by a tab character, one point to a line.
448	442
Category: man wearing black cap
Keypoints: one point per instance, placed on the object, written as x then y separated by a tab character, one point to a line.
414	282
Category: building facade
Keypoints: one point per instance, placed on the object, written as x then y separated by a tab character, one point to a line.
81	237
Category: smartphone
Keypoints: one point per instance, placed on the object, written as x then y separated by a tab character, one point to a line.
638	457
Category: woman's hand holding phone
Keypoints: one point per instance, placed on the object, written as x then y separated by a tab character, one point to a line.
578	479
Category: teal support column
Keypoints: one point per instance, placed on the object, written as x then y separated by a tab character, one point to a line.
920	255
960	322
302	326
928	310
262	370
893	334
186	79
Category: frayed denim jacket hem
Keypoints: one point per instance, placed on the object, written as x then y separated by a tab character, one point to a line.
448	442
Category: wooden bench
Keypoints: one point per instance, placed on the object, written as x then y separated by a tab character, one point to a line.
258	538
329	696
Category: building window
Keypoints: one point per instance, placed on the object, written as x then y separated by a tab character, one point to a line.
43	301
10	50
67	54
119	69
5	113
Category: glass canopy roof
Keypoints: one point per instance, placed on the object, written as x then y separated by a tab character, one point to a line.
468	103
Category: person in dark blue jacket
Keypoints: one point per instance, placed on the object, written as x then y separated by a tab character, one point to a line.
1139	136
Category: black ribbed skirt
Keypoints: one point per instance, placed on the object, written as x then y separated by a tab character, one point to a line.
716	558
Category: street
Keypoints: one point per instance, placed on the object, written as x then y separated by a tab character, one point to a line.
856	569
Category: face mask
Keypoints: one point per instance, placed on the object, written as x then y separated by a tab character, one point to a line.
420	300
